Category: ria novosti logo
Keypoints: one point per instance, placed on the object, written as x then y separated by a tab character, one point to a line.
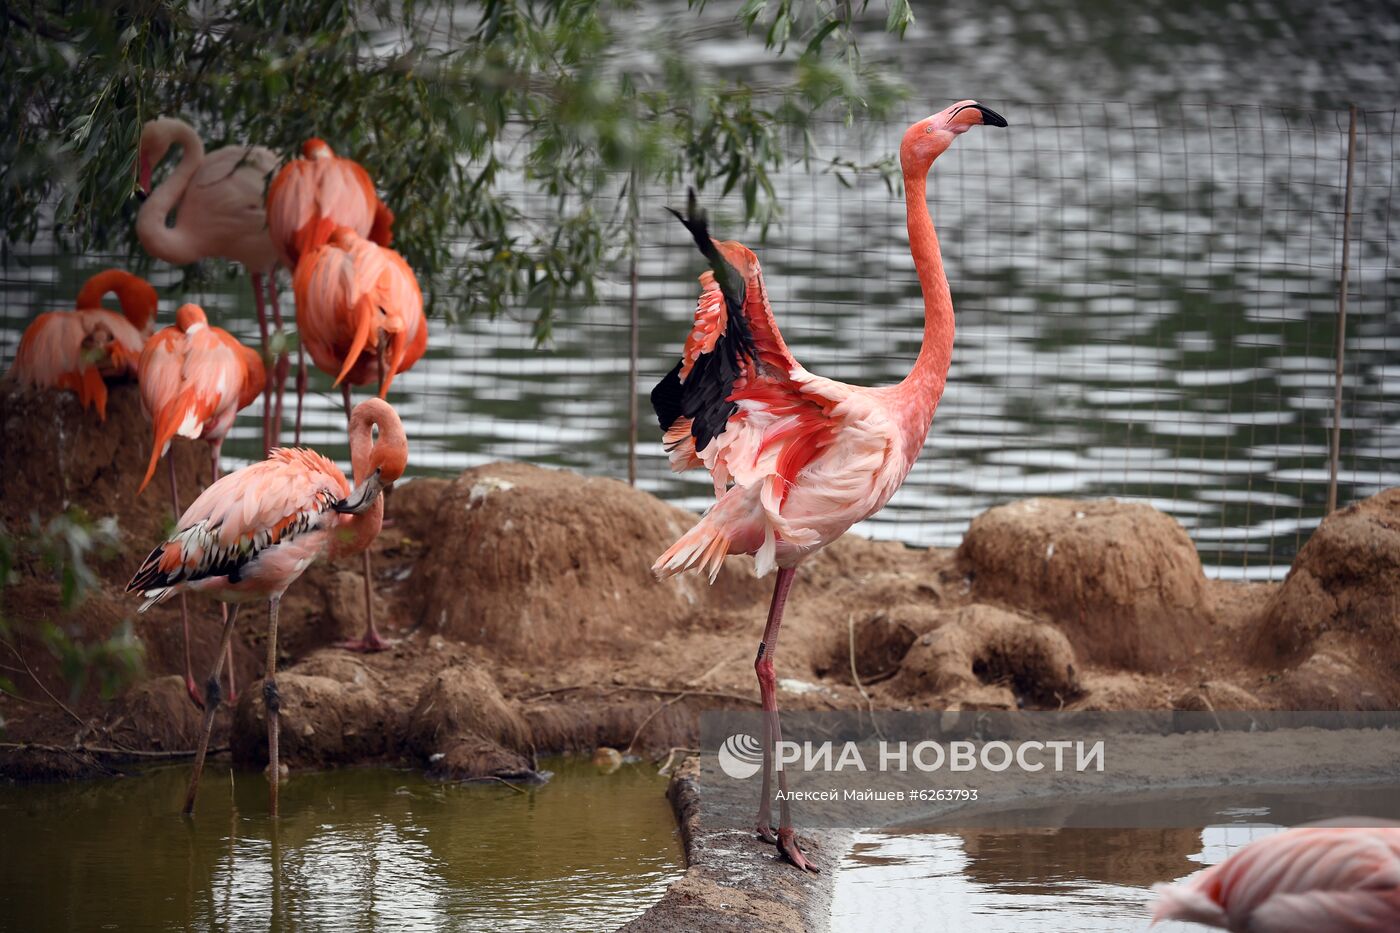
740	756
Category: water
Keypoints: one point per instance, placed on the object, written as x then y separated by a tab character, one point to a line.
1063	880
364	849
1145	287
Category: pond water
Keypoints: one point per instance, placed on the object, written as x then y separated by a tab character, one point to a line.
1070	879
362	849
1145	267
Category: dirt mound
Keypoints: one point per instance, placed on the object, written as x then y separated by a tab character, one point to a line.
334	711
1213	696
156	715
1345	581
538	565
1336	677
462	727
989	658
1121	579
54	455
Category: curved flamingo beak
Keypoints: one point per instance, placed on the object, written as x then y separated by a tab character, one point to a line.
143	184
362	497
973	114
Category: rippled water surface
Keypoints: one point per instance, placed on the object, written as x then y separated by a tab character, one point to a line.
364	849
1145	266
1065	880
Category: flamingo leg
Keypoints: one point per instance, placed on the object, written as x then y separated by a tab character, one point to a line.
267	388
772	730
283	362
215	451
211	706
273	701
190	686
301	388
371	640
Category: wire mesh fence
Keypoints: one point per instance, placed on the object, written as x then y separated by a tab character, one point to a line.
1146	302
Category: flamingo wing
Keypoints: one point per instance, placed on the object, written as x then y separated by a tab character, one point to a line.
242	515
74	350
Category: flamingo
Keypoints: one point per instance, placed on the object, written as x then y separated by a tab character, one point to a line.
194	380
79	349
310	191
360	315
250	535
219	197
796	459
1321	877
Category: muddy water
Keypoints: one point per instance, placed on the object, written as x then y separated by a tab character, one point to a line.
1144	264
1069	879
368	849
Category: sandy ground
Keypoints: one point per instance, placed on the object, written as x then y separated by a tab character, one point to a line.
527	623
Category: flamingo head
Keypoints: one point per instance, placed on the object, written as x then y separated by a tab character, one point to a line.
157	136
190	316
377	462
315	148
929	138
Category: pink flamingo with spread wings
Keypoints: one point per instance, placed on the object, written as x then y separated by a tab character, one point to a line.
360	316
250	535
194	380
797	459
1342	878
80	349
307	201
219	197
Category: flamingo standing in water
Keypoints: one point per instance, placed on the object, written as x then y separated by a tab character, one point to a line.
250	535
78	350
360	316
194	380
1341	878
307	201
219	198
797	459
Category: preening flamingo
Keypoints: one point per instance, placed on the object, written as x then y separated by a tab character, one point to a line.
80	349
307	201
797	459
194	380
250	535
221	213
1342	878
360	316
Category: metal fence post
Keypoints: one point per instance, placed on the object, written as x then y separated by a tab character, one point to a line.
1334	459
633	210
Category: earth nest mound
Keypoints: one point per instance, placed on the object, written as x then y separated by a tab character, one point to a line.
1344	585
462	727
991	658
539	565
1122	580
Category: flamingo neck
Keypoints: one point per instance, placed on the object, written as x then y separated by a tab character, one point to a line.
924	384
175	244
356	533
136	297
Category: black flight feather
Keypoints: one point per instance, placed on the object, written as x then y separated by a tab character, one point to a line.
704	396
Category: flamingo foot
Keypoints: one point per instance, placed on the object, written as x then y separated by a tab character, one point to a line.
788	851
766	833
368	644
193	691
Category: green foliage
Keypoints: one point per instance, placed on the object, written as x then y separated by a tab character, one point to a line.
501	132
62	549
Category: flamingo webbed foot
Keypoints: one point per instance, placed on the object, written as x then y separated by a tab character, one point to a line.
368	644
766	833
789	851
195	697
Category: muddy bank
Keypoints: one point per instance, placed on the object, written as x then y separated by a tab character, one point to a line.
527	623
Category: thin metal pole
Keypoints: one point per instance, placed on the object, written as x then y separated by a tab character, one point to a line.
633	211
1342	320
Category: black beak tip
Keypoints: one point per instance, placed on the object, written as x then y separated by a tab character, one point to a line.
990	117
141	195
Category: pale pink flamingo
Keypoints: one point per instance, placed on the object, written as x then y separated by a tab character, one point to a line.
194	380
360	316
219	199
250	535
80	349
797	459
307	201
1339	878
